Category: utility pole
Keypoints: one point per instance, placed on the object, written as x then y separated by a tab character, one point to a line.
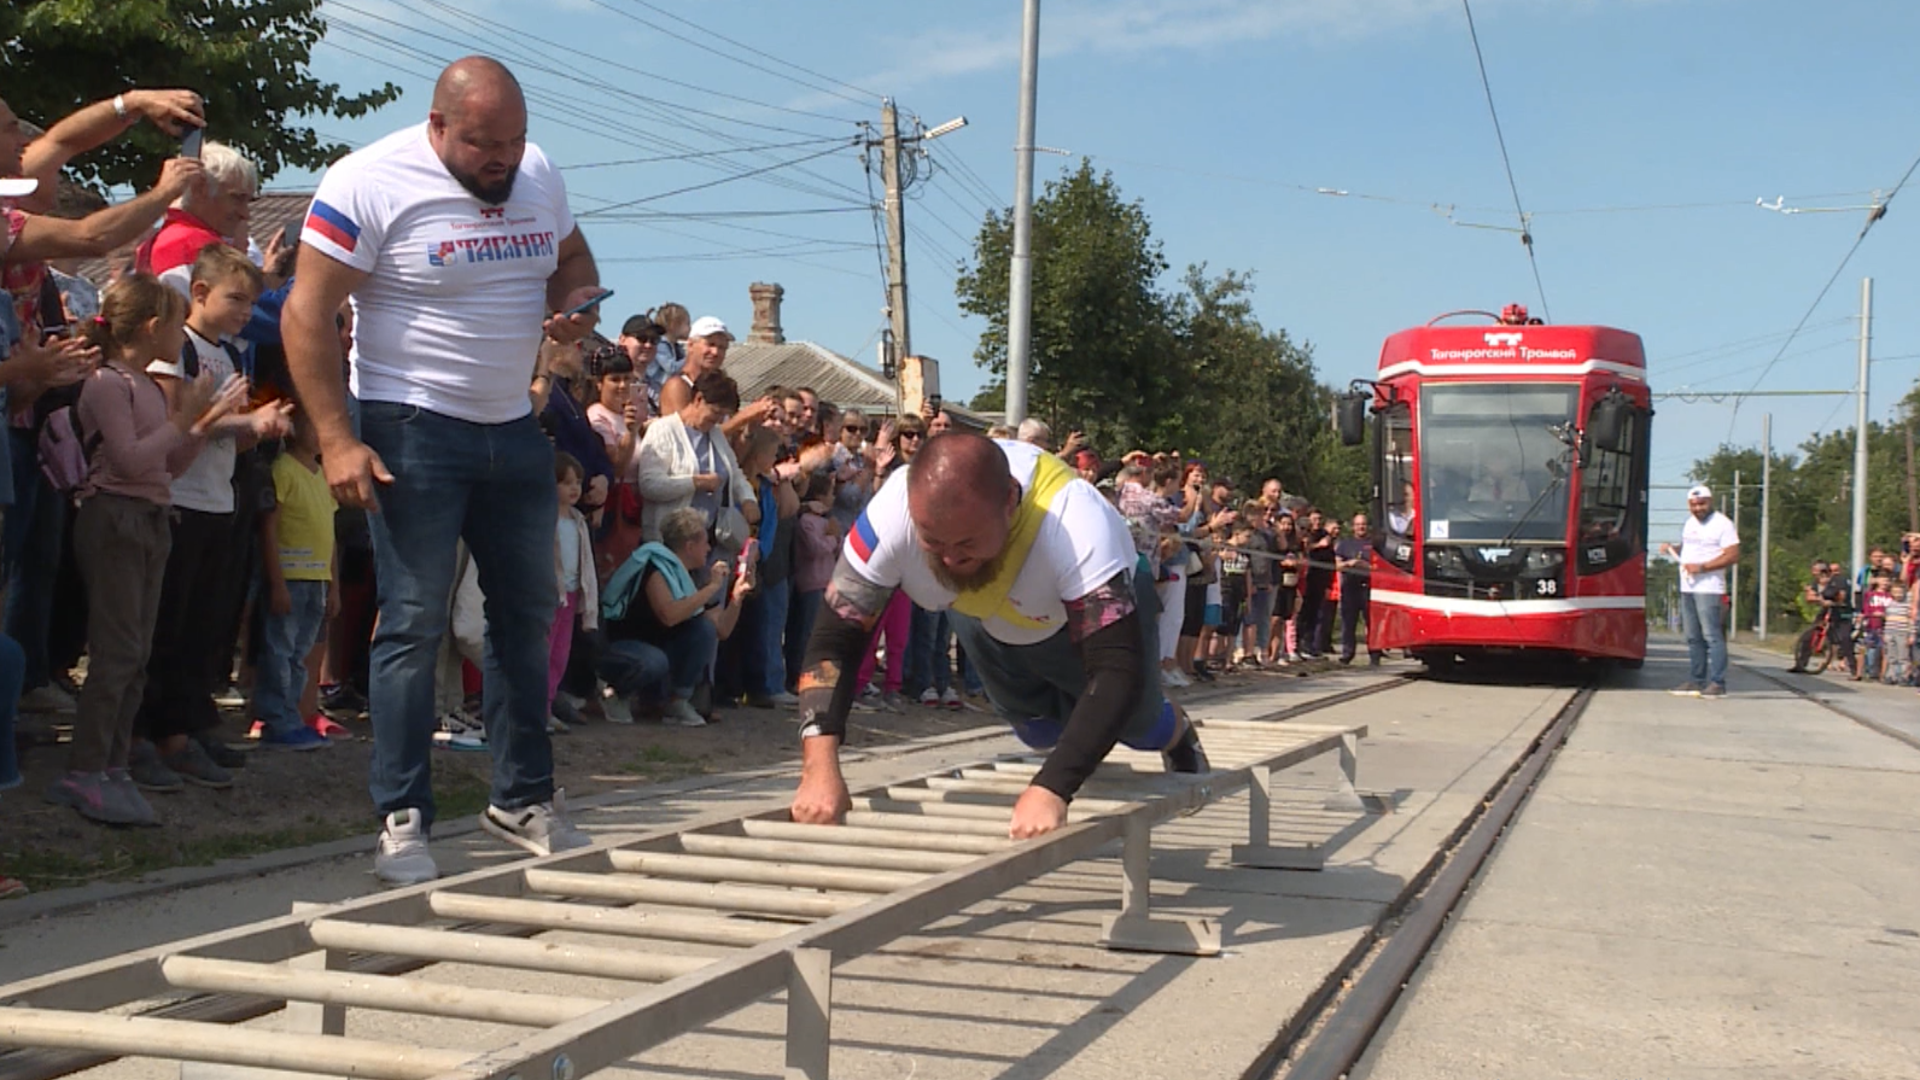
1858	554
1733	594
896	233
1913	504
1020	280
1766	512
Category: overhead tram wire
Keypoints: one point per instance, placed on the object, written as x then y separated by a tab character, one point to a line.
1526	228
1873	218
540	95
715	183
697	153
869	97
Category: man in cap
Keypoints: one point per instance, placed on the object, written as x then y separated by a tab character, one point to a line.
1708	545
706	350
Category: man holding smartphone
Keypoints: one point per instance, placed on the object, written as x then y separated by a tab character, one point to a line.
454	240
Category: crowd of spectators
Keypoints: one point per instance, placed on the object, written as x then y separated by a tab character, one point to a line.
167	519
1868	616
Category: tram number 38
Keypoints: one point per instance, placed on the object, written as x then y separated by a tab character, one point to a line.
1547	587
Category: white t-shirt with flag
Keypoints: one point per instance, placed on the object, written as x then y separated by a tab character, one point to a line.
1082	543
449	317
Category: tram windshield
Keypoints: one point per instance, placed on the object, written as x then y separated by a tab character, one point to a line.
1494	461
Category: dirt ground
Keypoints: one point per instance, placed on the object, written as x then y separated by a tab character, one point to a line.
281	800
284	800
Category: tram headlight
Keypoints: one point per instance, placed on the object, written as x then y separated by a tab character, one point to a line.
1545	560
1445	561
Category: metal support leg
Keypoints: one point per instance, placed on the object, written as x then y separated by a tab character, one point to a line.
1135	929
1347	798
809	1014
299	1017
1259	851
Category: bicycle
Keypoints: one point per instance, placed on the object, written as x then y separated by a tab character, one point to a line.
1815	651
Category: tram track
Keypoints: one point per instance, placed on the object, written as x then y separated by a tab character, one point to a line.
1905	738
1330	1033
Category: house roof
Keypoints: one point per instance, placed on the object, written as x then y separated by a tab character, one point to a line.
756	366
272	211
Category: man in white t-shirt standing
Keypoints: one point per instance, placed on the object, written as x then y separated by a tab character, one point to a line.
1046	594
454	240
1708	545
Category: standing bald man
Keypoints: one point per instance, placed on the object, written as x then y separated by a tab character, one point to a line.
454	241
1046	594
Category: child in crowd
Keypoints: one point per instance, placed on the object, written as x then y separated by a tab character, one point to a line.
574	572
1899	634
816	546
297	552
1873	612
1236	567
141	440
191	648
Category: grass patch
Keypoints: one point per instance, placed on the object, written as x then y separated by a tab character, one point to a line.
658	762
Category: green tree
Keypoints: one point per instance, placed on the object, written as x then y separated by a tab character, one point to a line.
248	60
1102	335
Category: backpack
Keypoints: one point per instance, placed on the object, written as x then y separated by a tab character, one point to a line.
66	449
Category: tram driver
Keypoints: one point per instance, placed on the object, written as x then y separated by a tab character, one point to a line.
1499	480
1045	593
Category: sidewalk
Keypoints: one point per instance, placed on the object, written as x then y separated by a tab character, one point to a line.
1696	889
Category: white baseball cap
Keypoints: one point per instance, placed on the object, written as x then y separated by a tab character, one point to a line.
1699	491
12	187
707	326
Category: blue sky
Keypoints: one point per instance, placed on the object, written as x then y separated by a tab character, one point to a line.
1641	133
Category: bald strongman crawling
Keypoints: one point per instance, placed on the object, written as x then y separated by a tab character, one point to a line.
1047	598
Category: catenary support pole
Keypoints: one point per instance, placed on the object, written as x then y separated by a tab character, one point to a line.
1733	579
1857	555
1020	280
1766	514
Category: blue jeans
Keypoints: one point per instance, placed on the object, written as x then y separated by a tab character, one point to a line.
802	609
281	675
690	648
922	666
492	486
1706	641
769	665
11	663
634	669
932	646
33	559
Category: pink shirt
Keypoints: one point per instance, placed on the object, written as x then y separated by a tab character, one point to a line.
139	451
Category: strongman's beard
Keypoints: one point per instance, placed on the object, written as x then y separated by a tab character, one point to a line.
491	194
969	581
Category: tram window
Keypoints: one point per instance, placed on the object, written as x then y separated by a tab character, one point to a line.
1396	472
1609	501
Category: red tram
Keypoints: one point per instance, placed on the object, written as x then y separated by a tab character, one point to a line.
1510	490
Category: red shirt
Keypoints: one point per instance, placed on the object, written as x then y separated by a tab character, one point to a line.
177	244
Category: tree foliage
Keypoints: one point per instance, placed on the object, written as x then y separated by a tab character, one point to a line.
248	60
1812	507
1135	366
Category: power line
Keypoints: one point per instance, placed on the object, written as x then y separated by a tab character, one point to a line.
707	47
689	155
715	183
1526	231
870	95
1873	218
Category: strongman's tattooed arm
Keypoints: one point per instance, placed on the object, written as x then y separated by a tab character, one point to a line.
1105	624
843	627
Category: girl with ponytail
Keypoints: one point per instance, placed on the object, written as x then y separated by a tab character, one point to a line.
136	443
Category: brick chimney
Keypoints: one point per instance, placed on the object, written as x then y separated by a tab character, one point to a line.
766	314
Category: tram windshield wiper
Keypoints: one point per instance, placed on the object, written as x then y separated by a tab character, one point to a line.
1556	466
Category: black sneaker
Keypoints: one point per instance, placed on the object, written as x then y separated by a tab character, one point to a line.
219	752
1714	690
194	765
1186	756
149	772
343	700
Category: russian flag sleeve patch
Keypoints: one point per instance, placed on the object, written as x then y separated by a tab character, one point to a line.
862	540
337	227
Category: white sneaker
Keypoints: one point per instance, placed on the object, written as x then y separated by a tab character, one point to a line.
401	856
574	700
951	699
458	732
681	713
542	828
786	701
46	699
557	726
930	698
615	708
231	698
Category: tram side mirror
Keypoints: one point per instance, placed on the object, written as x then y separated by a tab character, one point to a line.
1350	418
1607	427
